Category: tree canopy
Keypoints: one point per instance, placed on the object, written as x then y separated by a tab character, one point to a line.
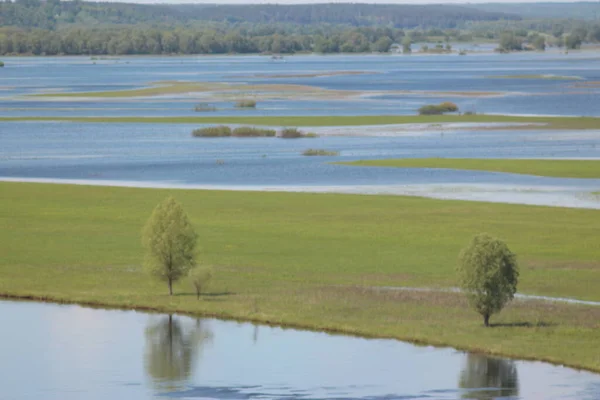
488	275
170	241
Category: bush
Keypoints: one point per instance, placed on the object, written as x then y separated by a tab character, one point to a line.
320	152
204	107
439	109
245	104
248	131
200	277
1	64
448	106
294	133
212	131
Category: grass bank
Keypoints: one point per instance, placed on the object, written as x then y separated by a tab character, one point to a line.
553	168
312	260
549	122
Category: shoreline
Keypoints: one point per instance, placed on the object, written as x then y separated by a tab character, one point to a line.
479	193
336	330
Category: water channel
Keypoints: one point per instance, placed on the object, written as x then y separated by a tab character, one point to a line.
66	352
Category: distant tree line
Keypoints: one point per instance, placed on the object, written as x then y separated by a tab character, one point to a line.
52	13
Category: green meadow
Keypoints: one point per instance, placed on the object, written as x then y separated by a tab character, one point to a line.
315	121
316	261
553	168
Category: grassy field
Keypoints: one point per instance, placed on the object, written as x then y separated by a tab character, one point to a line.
554	168
314	261
550	122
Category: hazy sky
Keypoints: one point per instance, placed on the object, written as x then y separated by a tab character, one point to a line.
336	1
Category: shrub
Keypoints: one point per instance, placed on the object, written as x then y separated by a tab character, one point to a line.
248	131
448	106
294	133
200	277
433	109
204	107
245	104
212	131
1	64
320	152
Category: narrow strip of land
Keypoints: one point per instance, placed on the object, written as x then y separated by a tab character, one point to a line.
312	260
550	168
553	123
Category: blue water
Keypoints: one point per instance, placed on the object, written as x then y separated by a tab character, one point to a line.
72	353
387	75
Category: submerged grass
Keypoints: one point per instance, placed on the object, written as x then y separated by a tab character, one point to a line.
304	121
320	152
552	168
312	261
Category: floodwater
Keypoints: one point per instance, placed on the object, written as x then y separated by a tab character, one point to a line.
165	155
55	352
432	75
156	155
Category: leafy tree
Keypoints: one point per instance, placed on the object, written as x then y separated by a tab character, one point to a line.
539	42
573	41
406	43
170	240
200	277
489	275
509	42
383	44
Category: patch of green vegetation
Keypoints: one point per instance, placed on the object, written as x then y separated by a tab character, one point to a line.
1	64
294	133
553	168
438	109
304	121
204	107
212	131
313	261
248	131
320	152
538	76
245	104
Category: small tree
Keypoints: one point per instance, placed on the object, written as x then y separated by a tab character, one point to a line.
200	277
170	240
489	275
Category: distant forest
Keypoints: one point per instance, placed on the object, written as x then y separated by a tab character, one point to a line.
87	28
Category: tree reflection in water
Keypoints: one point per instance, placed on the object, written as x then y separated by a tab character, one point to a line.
488	378
172	349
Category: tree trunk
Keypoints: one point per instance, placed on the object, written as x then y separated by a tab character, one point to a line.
197	293
486	319
170	287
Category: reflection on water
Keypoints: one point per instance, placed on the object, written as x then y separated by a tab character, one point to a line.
488	378
73	353
172	349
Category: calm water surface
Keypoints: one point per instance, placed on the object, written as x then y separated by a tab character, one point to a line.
437	73
54	352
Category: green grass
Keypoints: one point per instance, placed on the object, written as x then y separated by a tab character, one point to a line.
539	76
553	168
551	122
310	260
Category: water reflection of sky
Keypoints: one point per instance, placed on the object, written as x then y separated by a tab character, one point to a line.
167	156
67	352
437	73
